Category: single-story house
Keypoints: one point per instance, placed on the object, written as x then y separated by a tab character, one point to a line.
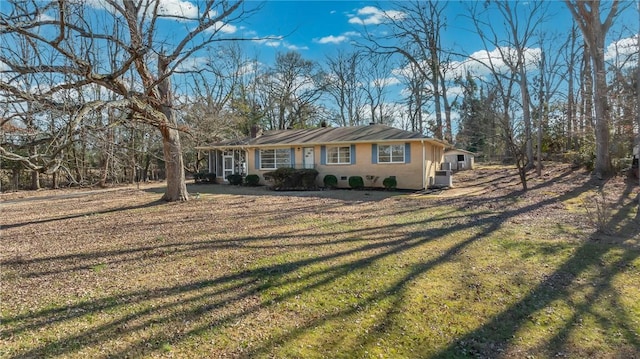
373	152
459	159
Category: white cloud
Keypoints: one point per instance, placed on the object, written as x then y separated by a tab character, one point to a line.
384	82
272	43
454	91
294	47
371	15
250	67
224	28
481	62
336	40
177	9
622	50
44	17
332	39
193	63
277	41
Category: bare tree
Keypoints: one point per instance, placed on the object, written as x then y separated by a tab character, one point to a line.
376	80
68	33
209	112
588	16
570	56
416	37
345	86
638	113
514	50
551	75
289	90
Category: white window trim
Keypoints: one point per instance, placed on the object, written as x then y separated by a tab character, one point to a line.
338	163
275	159
391	161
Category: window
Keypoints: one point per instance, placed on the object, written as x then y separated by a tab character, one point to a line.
391	153
275	158
339	155
461	158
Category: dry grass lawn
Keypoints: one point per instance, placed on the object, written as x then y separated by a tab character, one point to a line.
482	270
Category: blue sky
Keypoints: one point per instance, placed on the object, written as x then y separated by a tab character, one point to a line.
318	28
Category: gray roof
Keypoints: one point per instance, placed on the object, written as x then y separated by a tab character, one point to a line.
328	135
453	150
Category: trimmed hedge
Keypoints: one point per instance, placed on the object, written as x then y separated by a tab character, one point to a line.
235	179
252	180
356	182
330	181
390	183
292	179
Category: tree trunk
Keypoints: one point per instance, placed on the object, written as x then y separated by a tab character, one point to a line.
541	115
54	180
603	157
16	179
571	144
171	148
588	16
174	166
638	119
436	101
526	117
147	164
35	180
448	135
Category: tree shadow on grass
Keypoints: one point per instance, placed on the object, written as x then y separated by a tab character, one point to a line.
584	297
80	215
224	302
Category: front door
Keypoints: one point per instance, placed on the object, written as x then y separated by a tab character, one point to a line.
308	159
227	166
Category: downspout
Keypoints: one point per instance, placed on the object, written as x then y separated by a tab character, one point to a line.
424	169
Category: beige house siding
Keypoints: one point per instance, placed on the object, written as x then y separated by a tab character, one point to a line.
424	156
434	158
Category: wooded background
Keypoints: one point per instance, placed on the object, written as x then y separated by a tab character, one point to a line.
94	98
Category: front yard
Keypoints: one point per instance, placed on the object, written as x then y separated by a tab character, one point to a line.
250	273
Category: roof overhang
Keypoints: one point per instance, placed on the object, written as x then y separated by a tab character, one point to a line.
432	141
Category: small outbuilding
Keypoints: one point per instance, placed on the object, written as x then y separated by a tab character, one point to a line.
458	159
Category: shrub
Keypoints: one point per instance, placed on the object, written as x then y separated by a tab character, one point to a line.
356	182
204	177
252	180
292	179
599	211
390	183
235	179
330	181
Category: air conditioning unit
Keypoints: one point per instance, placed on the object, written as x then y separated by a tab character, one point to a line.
443	179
